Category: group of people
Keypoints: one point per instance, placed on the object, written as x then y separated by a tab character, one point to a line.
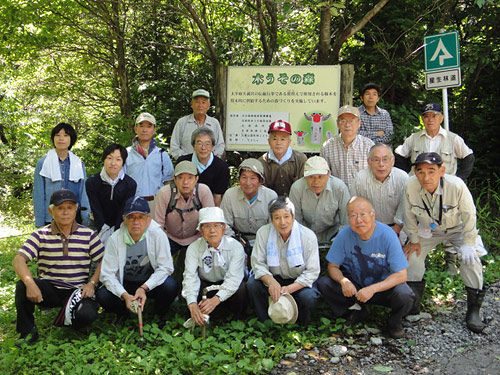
161	229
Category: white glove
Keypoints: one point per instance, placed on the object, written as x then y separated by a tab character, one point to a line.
469	254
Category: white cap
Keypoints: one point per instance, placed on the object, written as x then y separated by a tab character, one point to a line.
284	311
200	92
316	165
210	215
348	109
144	116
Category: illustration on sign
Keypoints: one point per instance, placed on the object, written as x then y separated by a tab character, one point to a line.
317	120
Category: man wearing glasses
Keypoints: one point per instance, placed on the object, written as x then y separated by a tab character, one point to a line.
347	153
212	170
383	185
367	266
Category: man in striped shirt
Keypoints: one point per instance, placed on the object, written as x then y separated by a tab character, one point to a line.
64	251
347	153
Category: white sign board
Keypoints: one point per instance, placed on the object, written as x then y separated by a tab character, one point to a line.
443	79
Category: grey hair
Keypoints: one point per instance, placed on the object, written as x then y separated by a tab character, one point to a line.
380	145
281	203
200	132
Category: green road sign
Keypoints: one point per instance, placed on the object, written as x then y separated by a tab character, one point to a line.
441	51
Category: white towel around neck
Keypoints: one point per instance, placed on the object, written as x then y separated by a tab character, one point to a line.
50	168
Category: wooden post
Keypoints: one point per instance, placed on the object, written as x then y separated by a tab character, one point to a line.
346	84
221	94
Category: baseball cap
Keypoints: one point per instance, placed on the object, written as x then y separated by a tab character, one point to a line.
429	158
185	167
136	205
253	165
348	109
432	107
144	116
316	165
280	126
200	92
61	196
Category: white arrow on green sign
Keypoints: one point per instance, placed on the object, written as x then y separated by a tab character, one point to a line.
441	51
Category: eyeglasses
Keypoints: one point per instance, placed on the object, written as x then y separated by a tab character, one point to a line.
209	227
362	215
203	144
351	121
383	160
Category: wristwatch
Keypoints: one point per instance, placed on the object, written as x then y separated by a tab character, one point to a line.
93	282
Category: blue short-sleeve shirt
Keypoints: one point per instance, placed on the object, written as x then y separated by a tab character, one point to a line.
368	262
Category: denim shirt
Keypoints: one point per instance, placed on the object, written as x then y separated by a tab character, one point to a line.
150	173
43	188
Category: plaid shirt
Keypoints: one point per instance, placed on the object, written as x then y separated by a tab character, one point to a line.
371	124
346	162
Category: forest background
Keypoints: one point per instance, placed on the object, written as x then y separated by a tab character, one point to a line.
96	64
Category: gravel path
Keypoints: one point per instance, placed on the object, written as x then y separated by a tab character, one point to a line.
435	344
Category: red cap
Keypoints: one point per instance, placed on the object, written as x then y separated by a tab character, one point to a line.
280	126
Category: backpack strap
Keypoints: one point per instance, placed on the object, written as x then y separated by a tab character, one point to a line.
173	202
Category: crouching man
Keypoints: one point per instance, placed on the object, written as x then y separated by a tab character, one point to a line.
367	265
137	264
64	251
214	259
439	207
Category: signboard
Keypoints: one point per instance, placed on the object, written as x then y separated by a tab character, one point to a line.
305	96
441	51
443	79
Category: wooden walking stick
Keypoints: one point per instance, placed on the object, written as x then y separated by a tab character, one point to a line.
137	310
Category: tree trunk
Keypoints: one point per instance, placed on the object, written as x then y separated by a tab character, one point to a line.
346	84
324	35
121	62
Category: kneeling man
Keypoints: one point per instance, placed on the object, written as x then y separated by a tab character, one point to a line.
367	265
214	259
137	264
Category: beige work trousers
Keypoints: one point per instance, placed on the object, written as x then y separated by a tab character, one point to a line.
472	275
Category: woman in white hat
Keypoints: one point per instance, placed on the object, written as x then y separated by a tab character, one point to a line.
285	260
214	259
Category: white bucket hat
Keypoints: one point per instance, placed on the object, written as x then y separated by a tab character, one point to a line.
210	215
284	311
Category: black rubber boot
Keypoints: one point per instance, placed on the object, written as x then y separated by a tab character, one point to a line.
474	301
418	288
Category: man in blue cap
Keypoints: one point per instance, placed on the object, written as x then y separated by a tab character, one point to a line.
456	155
137	264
